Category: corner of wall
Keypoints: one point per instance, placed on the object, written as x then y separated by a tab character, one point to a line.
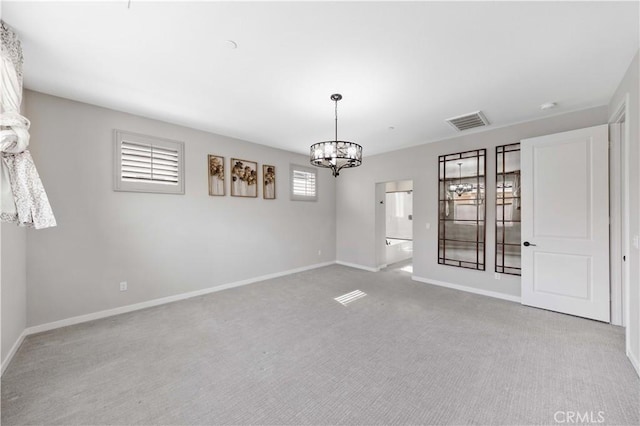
13	287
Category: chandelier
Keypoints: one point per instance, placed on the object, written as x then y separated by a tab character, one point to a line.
460	188
336	155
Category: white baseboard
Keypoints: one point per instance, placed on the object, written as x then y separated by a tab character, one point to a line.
468	289
355	265
634	362
161	301
12	352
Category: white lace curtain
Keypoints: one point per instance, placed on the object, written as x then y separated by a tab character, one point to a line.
23	199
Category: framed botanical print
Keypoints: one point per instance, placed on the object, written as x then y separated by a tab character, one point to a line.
216	174
268	182
244	178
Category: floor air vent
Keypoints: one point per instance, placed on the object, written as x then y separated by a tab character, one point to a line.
468	121
350	297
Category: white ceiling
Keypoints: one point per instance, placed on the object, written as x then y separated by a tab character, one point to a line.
406	65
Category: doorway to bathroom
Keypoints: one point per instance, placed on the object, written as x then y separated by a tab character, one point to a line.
398	225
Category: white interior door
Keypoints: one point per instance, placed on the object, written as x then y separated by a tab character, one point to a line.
565	222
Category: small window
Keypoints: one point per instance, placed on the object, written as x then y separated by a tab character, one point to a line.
148	164
303	183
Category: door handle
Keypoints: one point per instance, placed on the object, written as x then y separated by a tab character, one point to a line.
527	244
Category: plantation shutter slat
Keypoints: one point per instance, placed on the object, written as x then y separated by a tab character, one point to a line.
149	163
303	183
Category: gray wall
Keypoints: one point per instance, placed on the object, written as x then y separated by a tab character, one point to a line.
161	244
356	203
14	285
630	85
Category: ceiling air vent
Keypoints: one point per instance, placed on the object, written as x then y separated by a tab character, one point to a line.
468	121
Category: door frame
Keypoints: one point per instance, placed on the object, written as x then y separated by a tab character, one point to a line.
380	224
620	220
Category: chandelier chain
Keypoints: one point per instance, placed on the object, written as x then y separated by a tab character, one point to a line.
336	112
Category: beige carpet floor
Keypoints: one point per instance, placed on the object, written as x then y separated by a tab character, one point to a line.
284	351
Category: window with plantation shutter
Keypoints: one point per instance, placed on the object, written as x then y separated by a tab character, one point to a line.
148	164
303	183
